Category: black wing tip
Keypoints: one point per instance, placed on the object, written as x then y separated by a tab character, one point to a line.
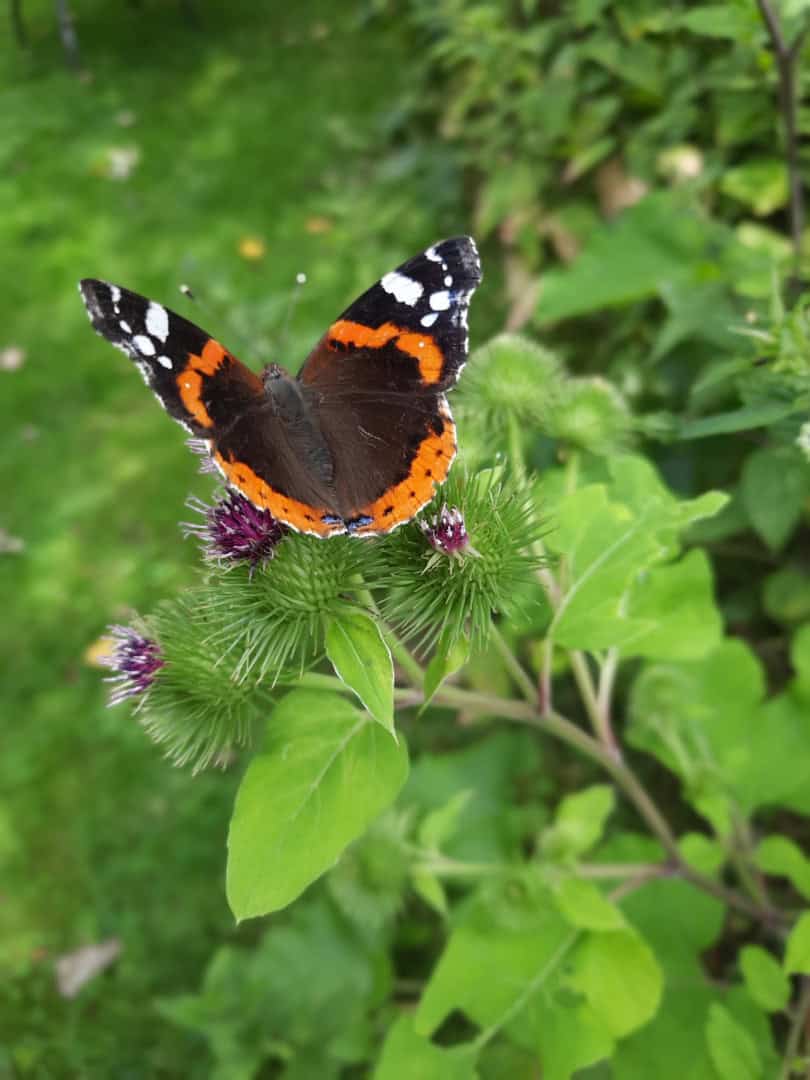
464	250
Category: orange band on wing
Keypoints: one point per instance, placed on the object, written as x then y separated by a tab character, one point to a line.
422	347
190	380
429	467
290	511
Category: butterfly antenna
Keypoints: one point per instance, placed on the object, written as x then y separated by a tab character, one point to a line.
295	296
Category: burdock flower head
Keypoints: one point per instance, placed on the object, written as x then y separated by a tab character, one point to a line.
135	659
234	530
447	532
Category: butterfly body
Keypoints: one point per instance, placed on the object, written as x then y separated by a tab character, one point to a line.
357	441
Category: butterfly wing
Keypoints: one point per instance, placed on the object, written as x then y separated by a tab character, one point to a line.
197	381
377	380
215	397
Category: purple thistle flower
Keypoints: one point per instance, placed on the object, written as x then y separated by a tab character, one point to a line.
135	659
447	532
234	530
202	447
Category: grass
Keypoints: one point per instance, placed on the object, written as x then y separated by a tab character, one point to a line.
274	122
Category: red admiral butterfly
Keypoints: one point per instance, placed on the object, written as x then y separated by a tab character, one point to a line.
357	442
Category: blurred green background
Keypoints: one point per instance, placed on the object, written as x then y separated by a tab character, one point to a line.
231	151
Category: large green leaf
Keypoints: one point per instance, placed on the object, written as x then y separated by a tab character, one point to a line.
677	602
775	489
766	981
325	772
608	536
620	978
708	722
783	857
407	1055
604	545
659	241
797	949
733	1051
362	660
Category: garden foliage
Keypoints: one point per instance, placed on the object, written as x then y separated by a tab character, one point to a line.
538	800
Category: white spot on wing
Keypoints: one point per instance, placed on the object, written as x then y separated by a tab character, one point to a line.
404	289
125	326
115	293
144	344
164	361
448	280
429	320
157	321
432	255
440	301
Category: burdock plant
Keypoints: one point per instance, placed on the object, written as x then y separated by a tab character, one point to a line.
323	658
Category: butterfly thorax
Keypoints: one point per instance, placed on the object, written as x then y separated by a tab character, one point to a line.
289	404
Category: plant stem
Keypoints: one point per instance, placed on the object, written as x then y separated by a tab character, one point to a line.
514	666
798	1027
560	727
599	718
785	63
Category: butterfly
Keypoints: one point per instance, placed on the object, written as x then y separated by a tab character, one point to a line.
359	439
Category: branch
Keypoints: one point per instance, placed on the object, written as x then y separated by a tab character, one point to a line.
786	56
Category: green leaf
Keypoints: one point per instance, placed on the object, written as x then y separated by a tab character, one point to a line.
300	994
607	537
744	419
733	1051
660	241
579	822
720	20
766	981
445	662
677	601
797	950
775	489
786	595
492	768
431	890
362	660
761	185
604	545
325	772
406	1055
708	722
621	979
781	856
585	907
490	969
440	824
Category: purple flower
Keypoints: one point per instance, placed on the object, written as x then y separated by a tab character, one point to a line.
202	447
135	659
447	532
234	530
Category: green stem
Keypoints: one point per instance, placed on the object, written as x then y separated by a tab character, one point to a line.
552	723
797	1029
599	720
442	866
514	666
